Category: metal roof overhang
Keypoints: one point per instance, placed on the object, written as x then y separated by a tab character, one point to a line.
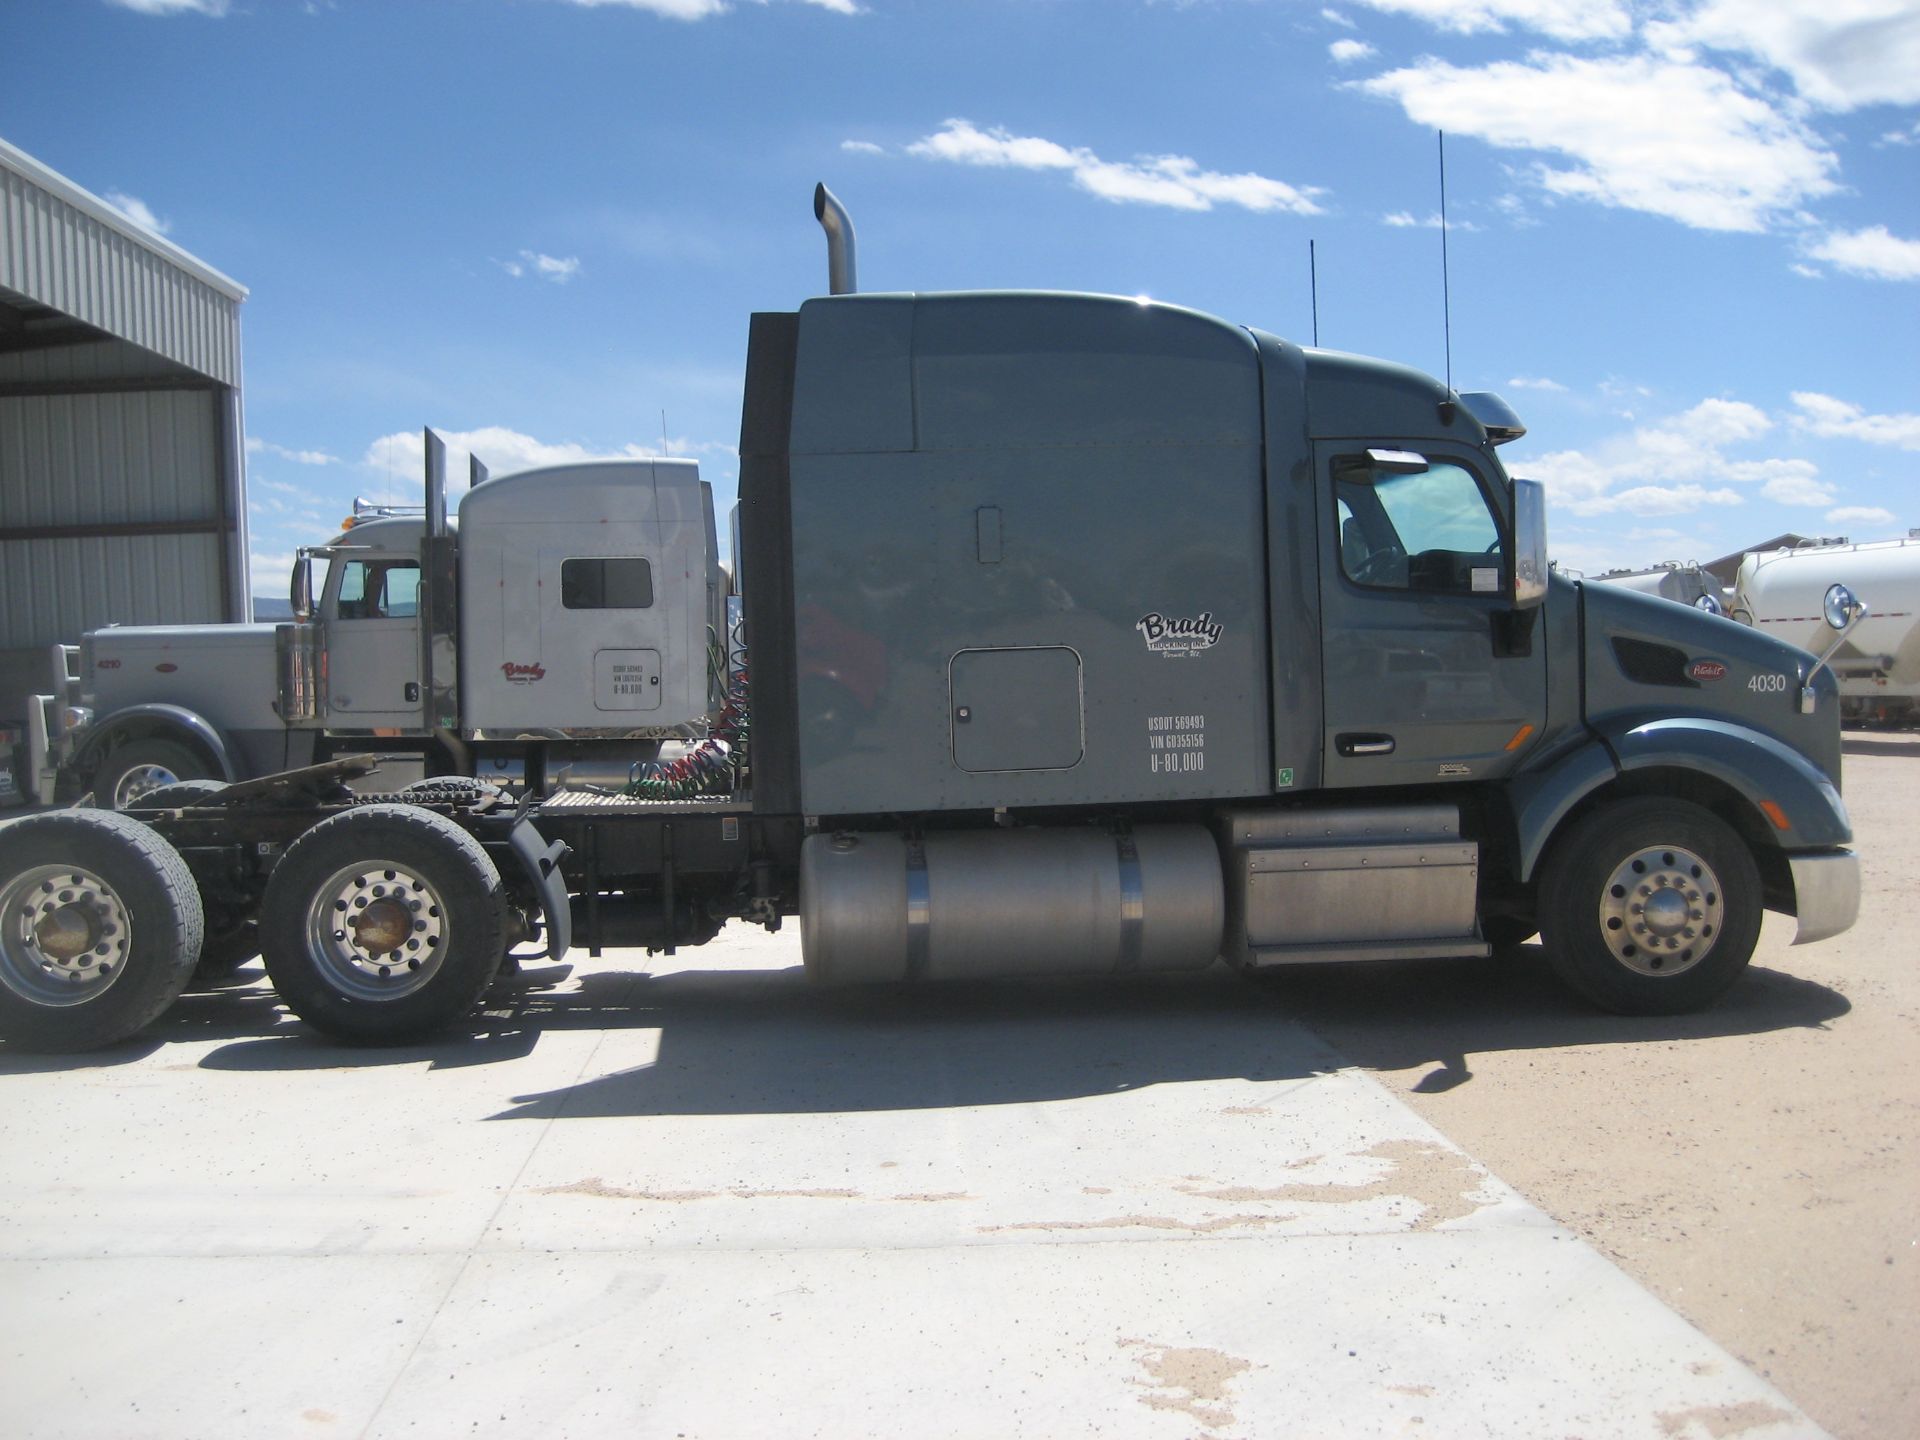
76	269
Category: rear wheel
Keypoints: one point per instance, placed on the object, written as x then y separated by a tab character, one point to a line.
99	926
383	924
1650	907
139	767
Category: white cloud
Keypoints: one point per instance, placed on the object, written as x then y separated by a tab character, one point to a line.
1562	19
1808	272
1407	220
1860	515
547	267
257	446
1527	382
403	456
1797	490
862	147
214	8
1334	17
1840	54
137	210
704	9
1171	180
1345	52
1873	252
1824	415
1642	132
1909	136
1676	466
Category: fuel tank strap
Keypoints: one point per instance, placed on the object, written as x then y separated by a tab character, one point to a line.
919	909
1133	904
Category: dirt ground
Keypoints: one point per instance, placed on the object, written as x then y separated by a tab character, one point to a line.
1757	1167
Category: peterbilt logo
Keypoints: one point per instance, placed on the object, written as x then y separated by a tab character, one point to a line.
523	674
1707	670
1168	635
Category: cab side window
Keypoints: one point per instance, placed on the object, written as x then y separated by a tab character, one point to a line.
379	590
1426	532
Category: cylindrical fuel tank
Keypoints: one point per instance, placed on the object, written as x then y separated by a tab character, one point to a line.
971	903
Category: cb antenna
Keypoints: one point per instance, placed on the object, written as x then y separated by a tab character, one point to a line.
1313	288
1446	296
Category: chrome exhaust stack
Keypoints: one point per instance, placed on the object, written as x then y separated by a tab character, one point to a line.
834	219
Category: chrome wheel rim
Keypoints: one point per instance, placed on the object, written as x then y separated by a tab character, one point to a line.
65	935
1661	911
141	780
377	930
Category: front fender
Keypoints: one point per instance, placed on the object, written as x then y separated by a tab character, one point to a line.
150	720
1754	766
1778	781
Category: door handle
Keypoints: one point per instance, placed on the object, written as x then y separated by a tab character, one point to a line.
413	691
1363	744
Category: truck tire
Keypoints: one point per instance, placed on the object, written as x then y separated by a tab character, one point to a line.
1650	907
383	924
231	940
133	770
99	926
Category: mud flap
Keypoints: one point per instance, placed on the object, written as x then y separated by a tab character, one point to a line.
540	863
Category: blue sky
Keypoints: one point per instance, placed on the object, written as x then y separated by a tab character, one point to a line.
1685	236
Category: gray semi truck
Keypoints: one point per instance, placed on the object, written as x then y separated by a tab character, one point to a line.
1084	635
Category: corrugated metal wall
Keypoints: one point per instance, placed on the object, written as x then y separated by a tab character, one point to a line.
122	492
58	249
144	460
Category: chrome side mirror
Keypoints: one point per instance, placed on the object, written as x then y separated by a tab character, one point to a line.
1529	544
1709	604
301	594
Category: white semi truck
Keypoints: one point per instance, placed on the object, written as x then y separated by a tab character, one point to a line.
1087	635
1878	665
522	641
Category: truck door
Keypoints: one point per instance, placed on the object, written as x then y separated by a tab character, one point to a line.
1430	676
373	643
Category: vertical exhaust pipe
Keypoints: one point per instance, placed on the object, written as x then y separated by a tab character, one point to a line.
834	219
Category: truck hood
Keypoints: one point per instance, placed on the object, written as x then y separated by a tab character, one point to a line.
1647	657
162	637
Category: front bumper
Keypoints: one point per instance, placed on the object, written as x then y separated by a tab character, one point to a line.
1826	892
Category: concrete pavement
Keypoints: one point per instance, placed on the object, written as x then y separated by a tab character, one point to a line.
697	1198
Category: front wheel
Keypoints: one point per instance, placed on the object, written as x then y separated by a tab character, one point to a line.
383	924
140	767
1650	907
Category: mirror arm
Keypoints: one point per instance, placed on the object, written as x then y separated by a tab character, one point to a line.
1855	613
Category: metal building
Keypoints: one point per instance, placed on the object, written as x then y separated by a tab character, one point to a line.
122	476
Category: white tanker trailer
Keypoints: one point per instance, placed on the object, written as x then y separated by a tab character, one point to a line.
1878	665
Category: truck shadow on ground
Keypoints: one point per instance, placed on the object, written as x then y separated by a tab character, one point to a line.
1854	744
757	1041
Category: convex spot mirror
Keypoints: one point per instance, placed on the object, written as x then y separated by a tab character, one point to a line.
1841	608
1710	605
